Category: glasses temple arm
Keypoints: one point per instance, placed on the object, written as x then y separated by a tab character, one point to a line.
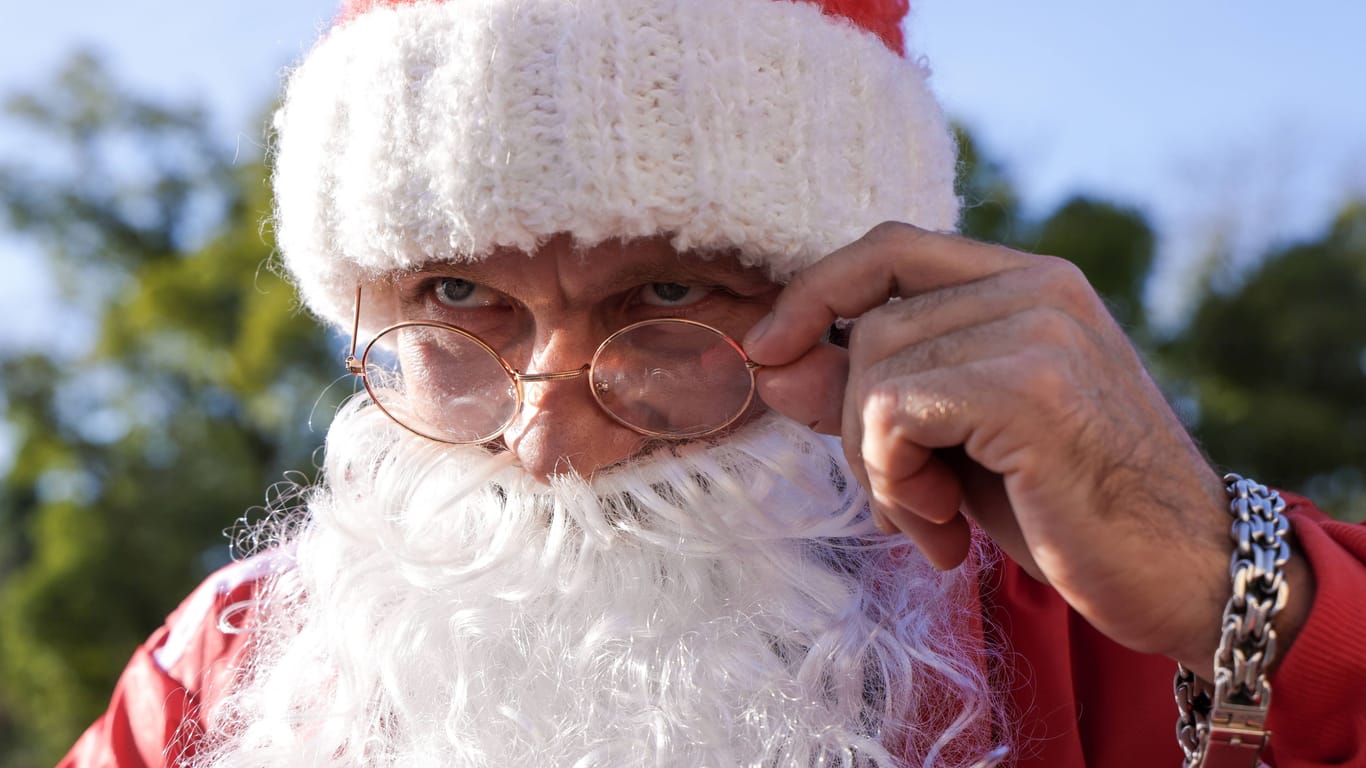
351	364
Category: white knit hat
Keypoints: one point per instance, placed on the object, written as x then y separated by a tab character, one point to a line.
429	131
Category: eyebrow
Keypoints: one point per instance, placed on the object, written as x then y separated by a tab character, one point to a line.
684	269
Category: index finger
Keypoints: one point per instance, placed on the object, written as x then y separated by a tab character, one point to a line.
892	260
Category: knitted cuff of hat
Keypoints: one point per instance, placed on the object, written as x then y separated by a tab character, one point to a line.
420	132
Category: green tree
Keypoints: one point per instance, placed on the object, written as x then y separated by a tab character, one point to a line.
133	455
991	206
1112	244
1276	367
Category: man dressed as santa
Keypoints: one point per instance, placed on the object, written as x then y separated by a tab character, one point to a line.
610	496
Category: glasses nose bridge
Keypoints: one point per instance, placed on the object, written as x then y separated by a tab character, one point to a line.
573	373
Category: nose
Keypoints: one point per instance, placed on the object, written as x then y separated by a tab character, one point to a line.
560	428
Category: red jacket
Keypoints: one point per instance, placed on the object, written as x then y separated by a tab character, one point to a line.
1078	698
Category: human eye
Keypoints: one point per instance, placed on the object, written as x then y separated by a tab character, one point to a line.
672	294
459	293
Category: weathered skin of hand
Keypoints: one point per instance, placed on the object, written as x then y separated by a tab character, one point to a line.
998	387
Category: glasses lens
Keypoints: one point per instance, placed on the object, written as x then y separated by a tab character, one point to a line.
672	378
441	384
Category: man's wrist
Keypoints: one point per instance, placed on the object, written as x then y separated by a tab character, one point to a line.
1198	657
1207	587
1226	722
1299	579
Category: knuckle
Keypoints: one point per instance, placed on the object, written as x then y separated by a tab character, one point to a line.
1045	380
877	403
1068	285
931	355
898	404
1049	327
888	230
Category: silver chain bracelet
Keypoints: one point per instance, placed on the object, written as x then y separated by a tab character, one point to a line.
1224	725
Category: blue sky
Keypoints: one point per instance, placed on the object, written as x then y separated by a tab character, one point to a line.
1210	116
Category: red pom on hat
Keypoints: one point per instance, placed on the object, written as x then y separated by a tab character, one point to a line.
880	17
353	8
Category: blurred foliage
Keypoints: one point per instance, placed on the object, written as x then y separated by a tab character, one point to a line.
134	454
1114	247
1276	367
1112	244
991	209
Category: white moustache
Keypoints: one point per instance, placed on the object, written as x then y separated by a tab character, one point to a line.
723	603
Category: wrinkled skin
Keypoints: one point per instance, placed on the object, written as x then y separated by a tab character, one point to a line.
998	388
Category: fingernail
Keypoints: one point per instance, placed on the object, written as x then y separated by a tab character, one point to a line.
757	332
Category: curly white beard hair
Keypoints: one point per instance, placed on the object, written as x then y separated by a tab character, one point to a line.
715	604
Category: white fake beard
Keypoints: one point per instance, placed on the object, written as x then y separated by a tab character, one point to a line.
726	604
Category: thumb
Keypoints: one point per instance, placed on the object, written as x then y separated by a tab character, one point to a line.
809	390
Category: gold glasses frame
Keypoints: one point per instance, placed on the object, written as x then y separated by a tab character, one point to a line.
357	367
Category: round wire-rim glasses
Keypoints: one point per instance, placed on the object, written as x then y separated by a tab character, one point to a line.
669	378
